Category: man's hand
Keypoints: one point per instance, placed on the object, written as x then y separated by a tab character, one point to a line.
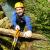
27	34
17	27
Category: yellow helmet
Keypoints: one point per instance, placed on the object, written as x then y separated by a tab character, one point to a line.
19	4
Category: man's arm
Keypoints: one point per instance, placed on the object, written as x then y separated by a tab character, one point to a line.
13	20
28	23
28	33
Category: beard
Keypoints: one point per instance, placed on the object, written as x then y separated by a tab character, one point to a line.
20	14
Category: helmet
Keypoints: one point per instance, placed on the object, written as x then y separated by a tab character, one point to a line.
19	4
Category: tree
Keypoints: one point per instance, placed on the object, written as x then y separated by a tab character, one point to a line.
38	10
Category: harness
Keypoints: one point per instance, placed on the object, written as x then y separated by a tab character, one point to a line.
21	22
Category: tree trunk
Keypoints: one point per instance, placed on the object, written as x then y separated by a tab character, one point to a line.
11	32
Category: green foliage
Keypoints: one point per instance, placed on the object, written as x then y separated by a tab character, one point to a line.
12	3
1	14
2	1
40	18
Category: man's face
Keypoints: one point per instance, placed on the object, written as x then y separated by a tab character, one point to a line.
19	11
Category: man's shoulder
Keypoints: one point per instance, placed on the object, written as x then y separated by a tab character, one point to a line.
14	13
27	17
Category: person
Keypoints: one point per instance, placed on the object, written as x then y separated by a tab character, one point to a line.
19	20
